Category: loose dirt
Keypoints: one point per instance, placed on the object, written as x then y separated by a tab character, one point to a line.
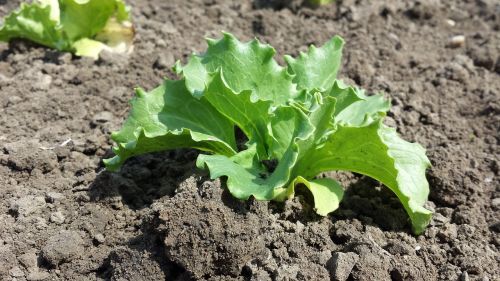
62	217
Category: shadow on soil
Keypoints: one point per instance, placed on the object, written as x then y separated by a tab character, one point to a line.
143	179
151	241
373	204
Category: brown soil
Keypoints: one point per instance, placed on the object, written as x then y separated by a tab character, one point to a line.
63	217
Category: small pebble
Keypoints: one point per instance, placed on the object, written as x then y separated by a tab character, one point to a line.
450	22
57	217
439	219
495	202
16	272
40	223
27	205
28	259
164	61
168	27
63	247
42	81
53	197
161	43
393	37
417	248
341	265
37	276
103	116
99	238
456	41
65	58
300	226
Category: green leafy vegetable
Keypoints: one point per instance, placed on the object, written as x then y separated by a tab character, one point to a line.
299	121
85	27
320	2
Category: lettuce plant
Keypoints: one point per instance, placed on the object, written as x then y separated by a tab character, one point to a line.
299	121
85	27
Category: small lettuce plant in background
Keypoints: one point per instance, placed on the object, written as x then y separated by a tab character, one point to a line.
83	27
299	121
320	2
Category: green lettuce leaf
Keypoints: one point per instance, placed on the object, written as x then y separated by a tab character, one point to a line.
170	117
246	66
252	117
344	95
364	111
85	27
327	193
34	22
89	48
300	121
318	68
378	152
245	176
320	2
85	18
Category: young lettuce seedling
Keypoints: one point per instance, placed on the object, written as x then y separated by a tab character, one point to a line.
84	27
299	120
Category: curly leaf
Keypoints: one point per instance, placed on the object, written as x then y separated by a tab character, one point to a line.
122	12
85	27
89	48
243	181
344	96
247	177
318	68
378	152
85	18
170	117
54	8
319	117
365	111
287	125
252	117
115	37
246	66
327	193
34	22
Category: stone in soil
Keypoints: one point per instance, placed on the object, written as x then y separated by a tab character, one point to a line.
341	265
63	247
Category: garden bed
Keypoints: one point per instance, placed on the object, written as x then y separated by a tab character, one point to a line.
63	217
